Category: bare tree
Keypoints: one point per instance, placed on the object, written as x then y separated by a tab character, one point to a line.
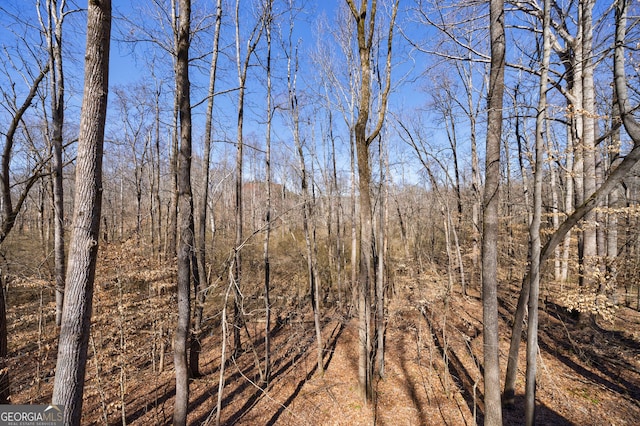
242	66
266	373
591	200
200	291
185	217
14	187
534	229
9	208
493	405
308	223
588	252
52	27
76	315
134	108
156	204
365	17
172	217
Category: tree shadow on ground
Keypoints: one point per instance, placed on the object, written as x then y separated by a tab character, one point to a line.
150	406
282	363
511	416
514	415
209	393
593	347
458	371
412	388
329	349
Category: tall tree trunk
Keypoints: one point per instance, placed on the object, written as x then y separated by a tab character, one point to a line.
590	249
365	23
201	237
171	239
493	406
475	172
307	210
242	66
614	196
156	174
76	316
53	31
577	126
366	273
534	229
555	202
185	218
237	311
382	244
266	374
568	208
336	209
354	220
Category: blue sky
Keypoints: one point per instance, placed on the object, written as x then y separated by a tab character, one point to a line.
130	66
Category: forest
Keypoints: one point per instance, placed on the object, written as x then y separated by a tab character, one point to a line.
389	212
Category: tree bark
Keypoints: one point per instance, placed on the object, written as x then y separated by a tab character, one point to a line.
613	201
76	316
589	250
493	406
185	218
534	230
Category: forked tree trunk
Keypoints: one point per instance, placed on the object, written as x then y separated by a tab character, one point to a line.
76	316
365	28
53	31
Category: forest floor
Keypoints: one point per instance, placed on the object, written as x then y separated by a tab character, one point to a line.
586	376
